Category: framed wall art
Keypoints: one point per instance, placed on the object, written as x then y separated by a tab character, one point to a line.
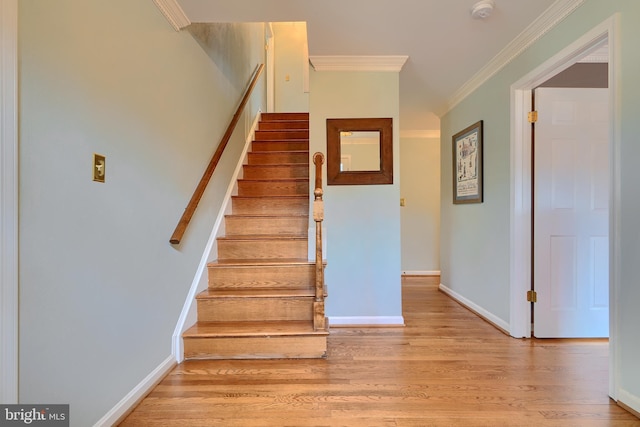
467	165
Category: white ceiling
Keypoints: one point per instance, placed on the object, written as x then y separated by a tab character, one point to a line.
445	45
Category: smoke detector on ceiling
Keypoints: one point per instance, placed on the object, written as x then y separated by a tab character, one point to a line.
482	9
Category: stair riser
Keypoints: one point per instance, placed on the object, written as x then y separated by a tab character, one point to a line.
251	249
273	188
284	124
271	117
239	226
262	277
261	146
275	172
255	309
256	348
270	135
277	158
270	206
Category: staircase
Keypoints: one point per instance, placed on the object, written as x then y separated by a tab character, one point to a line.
261	296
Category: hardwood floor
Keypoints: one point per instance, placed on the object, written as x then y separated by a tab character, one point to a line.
447	367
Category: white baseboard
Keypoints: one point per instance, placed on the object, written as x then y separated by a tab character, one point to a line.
421	273
344	321
122	408
629	400
489	317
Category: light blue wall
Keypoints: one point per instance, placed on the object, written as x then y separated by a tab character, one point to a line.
100	286
474	240
362	222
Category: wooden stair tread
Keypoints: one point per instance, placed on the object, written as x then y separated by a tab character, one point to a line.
256	293
260	262
261	216
273	179
278	165
250	329
281	152
282	140
264	237
284	197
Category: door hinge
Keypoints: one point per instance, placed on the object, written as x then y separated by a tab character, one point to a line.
532	116
532	296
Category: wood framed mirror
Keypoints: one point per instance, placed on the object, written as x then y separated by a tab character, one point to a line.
360	151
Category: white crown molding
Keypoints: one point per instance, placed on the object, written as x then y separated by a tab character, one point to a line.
551	17
393	63
173	12
421	134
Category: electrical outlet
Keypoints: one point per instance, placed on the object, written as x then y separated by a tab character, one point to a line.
99	167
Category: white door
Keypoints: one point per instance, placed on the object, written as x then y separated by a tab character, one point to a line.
571	213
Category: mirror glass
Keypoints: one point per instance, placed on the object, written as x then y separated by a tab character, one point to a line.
359	151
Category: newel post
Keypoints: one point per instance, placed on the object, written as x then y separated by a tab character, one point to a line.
319	319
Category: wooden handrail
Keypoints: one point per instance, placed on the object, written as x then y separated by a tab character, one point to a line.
319	319
176	237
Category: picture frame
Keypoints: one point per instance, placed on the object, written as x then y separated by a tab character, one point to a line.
467	146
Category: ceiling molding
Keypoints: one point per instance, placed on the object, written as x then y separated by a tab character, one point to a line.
392	63
173	12
422	134
557	12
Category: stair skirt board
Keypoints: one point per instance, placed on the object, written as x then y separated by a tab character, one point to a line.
366	321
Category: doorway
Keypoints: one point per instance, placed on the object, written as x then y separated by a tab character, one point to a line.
521	182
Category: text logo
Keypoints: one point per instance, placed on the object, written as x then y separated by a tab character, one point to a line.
34	415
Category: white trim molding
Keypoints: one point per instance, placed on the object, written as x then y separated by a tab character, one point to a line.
392	63
421	273
475	308
174	13
122	408
9	201
551	17
374	321
629	400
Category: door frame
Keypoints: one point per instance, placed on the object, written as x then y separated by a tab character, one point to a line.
521	176
9	201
